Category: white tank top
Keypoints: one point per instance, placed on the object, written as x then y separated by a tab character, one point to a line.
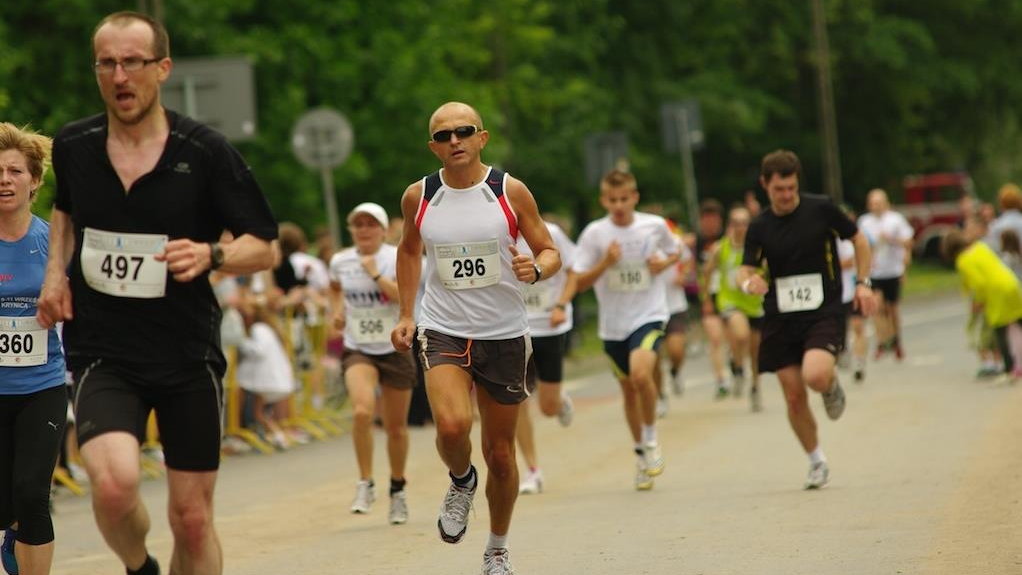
471	290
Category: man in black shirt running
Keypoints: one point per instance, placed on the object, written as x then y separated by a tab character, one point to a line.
143	195
804	327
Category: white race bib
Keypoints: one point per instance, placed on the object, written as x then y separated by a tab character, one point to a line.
372	324
537	298
799	293
626	276
468	266
123	265
23	342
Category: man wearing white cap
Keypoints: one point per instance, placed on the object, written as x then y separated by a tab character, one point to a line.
363	296
473	328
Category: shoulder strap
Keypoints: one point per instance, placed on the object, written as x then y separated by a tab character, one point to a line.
430	187
496	182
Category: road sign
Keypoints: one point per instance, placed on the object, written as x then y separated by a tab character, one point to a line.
322	138
670	119
604	151
219	92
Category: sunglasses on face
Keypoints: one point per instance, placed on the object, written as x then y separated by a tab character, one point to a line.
461	131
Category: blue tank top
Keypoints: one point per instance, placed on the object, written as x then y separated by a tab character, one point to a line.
22	268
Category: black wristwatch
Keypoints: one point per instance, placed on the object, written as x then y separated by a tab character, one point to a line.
539	273
216	256
866	282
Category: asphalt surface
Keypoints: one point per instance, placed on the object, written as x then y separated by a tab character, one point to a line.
926	477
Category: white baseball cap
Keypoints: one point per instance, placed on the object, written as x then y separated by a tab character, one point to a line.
374	210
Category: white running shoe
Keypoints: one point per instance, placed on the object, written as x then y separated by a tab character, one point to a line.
398	508
365	495
677	384
643	481
662	407
453	521
567	412
532	484
819	475
755	401
497	562
653	459
737	385
834	400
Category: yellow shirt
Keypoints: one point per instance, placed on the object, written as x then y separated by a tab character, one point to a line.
991	283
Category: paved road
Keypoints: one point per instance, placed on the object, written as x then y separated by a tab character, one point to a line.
926	478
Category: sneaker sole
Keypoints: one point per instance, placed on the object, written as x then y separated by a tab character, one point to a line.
450	538
359	511
814	487
655	471
401	521
644	486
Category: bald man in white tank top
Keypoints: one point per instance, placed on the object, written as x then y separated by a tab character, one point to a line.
473	328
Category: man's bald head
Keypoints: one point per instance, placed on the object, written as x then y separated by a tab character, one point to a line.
454	109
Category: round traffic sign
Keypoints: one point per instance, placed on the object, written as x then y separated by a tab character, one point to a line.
322	138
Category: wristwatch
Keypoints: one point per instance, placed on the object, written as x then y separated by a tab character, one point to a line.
216	256
539	273
866	282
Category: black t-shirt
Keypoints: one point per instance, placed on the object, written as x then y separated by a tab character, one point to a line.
200	186
802	243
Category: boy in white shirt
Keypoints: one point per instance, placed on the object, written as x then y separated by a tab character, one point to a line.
620	256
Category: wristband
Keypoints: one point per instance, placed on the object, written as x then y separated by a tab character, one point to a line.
377	277
745	285
559	306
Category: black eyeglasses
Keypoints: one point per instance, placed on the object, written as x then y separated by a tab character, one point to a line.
461	131
130	65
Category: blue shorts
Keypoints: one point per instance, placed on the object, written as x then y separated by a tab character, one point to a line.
646	337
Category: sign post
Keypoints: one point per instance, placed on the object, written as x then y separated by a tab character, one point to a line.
681	124
322	139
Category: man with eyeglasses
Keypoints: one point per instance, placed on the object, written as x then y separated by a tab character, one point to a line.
143	195
473	328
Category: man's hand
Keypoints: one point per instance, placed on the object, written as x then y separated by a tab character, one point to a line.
557	316
404	331
186	259
657	264
755	285
523	266
54	303
865	300
613	254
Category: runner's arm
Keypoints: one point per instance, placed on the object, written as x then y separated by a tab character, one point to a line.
54	302
532	228
409	253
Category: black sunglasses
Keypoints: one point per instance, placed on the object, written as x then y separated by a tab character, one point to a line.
461	131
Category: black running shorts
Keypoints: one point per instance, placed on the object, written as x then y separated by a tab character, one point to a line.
786	339
188	401
548	359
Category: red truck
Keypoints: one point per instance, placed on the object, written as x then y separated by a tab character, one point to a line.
932	205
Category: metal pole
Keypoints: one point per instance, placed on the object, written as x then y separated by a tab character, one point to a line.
188	93
327	175
687	164
825	98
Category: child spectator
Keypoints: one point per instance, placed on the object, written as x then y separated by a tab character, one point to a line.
994	288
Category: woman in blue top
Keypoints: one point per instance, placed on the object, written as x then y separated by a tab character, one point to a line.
33	403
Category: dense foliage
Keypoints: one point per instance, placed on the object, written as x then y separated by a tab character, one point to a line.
920	86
